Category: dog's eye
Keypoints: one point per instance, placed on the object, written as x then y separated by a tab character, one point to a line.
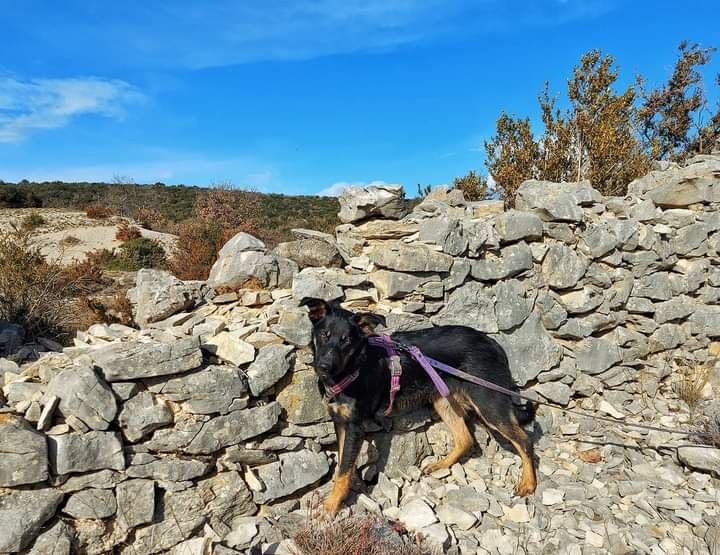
345	340
325	335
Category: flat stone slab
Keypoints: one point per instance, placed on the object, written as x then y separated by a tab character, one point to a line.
22	513
78	452
23	453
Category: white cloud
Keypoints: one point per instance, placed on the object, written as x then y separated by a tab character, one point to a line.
336	189
31	105
226	32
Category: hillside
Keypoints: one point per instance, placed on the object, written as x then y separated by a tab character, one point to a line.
278	214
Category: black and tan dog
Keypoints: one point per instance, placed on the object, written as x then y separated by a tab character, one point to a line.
340	341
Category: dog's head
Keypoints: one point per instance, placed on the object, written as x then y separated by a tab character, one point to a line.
338	335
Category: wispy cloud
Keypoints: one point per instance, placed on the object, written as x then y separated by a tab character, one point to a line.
27	106
235	32
336	189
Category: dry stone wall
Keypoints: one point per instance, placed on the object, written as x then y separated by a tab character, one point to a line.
204	430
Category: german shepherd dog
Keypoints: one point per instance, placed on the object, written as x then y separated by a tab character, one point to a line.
341	347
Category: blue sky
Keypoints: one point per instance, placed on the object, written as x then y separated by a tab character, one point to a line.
300	96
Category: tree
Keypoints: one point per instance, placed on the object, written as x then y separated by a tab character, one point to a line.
556	145
708	136
511	154
472	185
606	149
668	113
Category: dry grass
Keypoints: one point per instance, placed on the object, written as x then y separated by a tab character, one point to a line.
96	212
691	380
40	295
127	232
354	535
32	221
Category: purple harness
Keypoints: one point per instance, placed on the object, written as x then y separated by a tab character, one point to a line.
390	346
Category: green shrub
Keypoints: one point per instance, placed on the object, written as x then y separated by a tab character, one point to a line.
133	255
32	221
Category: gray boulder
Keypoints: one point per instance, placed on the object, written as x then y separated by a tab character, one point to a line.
562	267
135	359
512	305
292	472
530	349
157	295
445	232
23	453
142	414
514	225
22	514
310	253
294	326
167	469
91	503
135	503
270	364
210	390
559	202
312	283
56	540
394	285
513	260
226	498
700	457
705	320
410	258
401	451
84	394
233	428
595	355
471	304
598	240
359	203
301	399
243	258
184	514
78	452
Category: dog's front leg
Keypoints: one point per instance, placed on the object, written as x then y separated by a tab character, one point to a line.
349	436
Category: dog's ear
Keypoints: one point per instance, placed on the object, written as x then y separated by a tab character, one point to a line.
317	308
367	321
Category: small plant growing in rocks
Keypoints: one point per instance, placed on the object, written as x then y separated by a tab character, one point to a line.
32	221
692	380
127	232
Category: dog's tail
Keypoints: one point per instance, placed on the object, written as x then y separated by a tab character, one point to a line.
525	413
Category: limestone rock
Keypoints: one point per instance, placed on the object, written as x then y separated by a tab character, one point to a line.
22	514
230	347
210	390
301	398
514	225
359	203
556	201
142	414
135	503
84	394
56	540
158	295
91	503
530	349
23	453
79	452
562	267
410	258
233	428
271	364
471	305
703	458
293	471
226	498
310	253
514	259
134	360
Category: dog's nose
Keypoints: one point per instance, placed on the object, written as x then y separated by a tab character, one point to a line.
325	366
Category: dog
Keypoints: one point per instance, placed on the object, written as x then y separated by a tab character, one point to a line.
343	353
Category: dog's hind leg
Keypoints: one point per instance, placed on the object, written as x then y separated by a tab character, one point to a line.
504	421
453	415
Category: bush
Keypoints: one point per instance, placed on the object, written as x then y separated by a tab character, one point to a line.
691	381
197	249
472	185
11	196
98	212
131	256
127	232
149	218
32	221
38	294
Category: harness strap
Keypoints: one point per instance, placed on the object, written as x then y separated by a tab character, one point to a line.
339	387
386	343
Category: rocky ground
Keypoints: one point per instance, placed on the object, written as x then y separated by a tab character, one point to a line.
203	431
68	236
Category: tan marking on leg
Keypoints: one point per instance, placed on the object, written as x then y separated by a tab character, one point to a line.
341	488
453	416
515	434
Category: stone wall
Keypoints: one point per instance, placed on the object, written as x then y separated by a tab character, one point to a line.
204	431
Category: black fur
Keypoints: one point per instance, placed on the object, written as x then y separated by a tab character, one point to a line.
340	343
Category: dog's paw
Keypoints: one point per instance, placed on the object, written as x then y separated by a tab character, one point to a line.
432	467
523	489
331	506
